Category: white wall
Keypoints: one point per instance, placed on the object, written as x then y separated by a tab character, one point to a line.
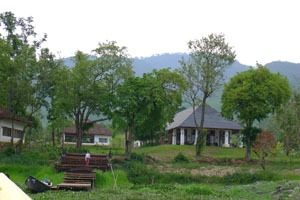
97	137
7	123
96	140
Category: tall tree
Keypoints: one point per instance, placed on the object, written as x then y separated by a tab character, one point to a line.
288	120
204	74
19	47
144	105
252	95
89	88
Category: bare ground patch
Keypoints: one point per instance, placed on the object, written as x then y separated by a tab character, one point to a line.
216	161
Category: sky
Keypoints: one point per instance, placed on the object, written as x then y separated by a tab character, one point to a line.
259	30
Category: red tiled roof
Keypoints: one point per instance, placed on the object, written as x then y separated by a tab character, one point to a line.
5	114
96	130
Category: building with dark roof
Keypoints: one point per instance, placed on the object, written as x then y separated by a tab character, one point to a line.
6	122
97	135
183	129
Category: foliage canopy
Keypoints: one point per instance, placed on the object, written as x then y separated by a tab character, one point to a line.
252	95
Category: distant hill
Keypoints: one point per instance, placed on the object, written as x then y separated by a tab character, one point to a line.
147	64
288	69
144	65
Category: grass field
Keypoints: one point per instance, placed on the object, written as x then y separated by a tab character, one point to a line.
259	190
219	174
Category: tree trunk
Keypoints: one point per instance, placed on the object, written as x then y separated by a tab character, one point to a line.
248	149
263	163
79	138
200	139
53	137
287	145
12	130
126	141
129	140
21	140
29	133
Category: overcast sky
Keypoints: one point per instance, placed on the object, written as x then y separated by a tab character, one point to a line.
259	30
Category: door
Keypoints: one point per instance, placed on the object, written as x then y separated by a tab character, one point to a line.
221	138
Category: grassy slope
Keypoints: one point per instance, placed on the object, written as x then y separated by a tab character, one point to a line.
40	165
260	190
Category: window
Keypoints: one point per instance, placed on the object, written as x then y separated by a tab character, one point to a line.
70	138
6	131
18	134
88	139
103	140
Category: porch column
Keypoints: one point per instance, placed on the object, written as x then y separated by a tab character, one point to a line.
182	136
226	139
196	136
174	137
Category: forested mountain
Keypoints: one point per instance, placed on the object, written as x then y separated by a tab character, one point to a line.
288	69
143	65
147	64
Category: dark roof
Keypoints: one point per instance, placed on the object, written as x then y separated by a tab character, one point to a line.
6	114
95	130
212	119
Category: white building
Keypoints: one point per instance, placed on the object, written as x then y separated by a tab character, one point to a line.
97	135
182	131
6	126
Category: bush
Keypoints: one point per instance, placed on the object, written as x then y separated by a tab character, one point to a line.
180	158
138	173
246	178
9	151
150	144
136	157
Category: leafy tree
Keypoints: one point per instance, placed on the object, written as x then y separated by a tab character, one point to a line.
288	120
263	146
89	88
18	63
252	95
144	105
204	74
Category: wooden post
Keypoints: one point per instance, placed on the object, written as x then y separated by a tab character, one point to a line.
115	178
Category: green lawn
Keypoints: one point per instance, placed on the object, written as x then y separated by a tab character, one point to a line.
39	163
168	152
259	190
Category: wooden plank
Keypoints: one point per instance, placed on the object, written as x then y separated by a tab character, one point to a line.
74	178
82	175
79	178
74	185
76	181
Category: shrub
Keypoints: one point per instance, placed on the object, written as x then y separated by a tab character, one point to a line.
264	144
150	144
138	173
136	157
9	151
180	158
246	178
117	161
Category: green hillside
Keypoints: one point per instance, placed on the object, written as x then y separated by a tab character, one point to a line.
147	64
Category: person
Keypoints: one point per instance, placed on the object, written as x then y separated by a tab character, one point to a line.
87	158
63	155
